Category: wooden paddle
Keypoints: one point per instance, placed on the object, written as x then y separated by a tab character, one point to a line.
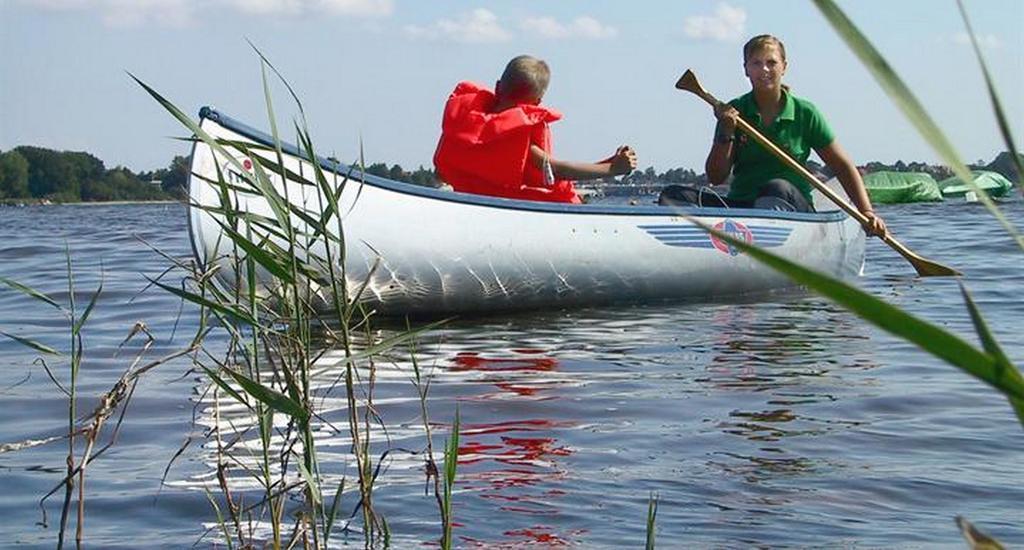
924	267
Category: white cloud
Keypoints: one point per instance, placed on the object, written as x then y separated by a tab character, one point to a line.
57	4
477	26
989	41
267	7
585	27
361	8
135	13
728	24
126	13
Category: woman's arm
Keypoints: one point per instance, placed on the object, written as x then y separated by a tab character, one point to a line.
622	162
719	162
848	175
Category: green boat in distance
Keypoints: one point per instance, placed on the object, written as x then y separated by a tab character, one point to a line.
889	187
993	183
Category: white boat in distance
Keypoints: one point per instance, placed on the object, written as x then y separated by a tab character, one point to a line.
428	251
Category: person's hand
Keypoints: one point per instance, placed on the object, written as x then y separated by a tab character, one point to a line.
875	226
624	160
728	118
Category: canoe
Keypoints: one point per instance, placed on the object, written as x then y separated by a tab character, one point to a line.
442	252
887	187
993	183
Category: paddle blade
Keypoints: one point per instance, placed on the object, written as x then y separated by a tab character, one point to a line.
928	268
923	266
689	83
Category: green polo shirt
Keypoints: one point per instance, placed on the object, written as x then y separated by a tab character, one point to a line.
798	129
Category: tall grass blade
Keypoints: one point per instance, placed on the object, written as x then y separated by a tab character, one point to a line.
256	252
238	314
42	348
311	482
332	513
88	311
652	516
908	103
930	338
295	97
451	462
25	289
270	397
997	106
225	386
220	520
1005	369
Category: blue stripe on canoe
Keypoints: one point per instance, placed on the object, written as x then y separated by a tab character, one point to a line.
690	236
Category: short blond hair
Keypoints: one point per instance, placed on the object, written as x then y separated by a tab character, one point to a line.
761	42
525	77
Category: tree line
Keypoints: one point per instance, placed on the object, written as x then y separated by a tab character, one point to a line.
37	173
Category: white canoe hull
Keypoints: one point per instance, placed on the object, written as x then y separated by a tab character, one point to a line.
441	252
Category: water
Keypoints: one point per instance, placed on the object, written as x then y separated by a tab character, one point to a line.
781	422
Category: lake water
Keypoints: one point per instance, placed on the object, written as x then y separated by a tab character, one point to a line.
779	422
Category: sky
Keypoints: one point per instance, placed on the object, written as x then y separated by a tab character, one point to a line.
377	72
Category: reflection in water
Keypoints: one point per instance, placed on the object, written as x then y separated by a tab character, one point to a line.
557	406
513	462
516	376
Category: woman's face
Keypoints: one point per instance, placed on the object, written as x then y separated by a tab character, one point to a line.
765	68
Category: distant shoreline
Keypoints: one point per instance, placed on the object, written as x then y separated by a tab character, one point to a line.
14	203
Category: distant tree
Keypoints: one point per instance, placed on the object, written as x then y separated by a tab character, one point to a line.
378	169
49	173
175	179
13	175
96	191
396	173
424	177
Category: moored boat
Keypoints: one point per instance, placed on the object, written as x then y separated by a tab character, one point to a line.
993	183
888	187
421	250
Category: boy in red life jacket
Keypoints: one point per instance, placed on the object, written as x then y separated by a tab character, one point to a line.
499	144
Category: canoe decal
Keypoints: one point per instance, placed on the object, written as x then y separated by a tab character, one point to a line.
691	236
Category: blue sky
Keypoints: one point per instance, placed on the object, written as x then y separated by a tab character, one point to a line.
380	70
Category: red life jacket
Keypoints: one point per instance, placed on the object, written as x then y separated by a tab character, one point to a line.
488	153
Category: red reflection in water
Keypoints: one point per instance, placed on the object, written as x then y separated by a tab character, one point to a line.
474	362
513	463
538	536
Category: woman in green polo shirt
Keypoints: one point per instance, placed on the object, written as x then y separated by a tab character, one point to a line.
759	179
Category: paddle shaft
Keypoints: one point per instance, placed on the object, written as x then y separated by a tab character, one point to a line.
923	266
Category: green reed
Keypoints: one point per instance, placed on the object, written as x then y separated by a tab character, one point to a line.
652	518
278	330
451	462
907	102
988	362
82	433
